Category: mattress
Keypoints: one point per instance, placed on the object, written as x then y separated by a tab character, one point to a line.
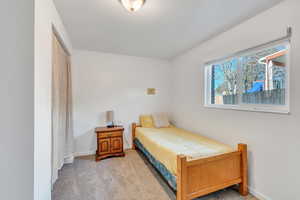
164	144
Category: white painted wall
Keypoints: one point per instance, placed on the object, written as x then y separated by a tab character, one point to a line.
46	16
273	139
104	82
16	103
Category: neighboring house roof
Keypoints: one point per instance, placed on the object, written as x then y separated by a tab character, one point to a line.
277	58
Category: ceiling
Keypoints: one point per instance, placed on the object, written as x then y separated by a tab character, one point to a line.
161	29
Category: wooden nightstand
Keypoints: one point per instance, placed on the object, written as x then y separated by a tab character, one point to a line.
109	142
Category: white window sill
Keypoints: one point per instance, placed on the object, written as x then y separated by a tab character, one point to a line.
264	109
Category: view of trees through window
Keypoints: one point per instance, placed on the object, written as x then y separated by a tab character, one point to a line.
255	78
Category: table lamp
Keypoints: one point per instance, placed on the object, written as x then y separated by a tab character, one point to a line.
110	119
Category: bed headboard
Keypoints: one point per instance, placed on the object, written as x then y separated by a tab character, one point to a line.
133	127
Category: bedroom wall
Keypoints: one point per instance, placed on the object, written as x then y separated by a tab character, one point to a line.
273	139
104	82
46	17
16	87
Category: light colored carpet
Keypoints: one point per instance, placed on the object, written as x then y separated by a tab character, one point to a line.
127	178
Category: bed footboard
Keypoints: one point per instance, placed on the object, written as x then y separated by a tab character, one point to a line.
199	177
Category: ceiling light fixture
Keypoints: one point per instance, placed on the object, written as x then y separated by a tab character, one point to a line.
132	5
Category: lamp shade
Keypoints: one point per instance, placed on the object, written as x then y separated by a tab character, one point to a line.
109	116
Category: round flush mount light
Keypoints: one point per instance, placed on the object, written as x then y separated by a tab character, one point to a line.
132	5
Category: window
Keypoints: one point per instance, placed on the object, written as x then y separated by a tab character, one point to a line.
255	79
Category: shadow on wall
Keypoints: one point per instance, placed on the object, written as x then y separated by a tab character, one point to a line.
251	166
86	141
102	117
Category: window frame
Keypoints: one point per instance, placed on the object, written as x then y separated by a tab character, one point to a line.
283	109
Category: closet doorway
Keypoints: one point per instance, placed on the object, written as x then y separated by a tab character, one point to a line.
62	134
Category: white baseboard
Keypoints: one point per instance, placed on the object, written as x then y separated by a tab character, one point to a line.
258	195
53	182
69	159
84	153
90	153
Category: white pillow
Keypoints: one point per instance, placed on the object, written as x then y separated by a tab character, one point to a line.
161	120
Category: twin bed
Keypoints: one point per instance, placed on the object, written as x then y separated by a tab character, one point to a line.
193	165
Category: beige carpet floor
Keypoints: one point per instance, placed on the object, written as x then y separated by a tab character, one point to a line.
127	178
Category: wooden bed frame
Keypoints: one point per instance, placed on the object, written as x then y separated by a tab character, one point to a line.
202	176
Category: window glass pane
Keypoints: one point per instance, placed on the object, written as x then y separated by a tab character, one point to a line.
224	82
264	76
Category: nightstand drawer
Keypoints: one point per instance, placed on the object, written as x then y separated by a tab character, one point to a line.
110	134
